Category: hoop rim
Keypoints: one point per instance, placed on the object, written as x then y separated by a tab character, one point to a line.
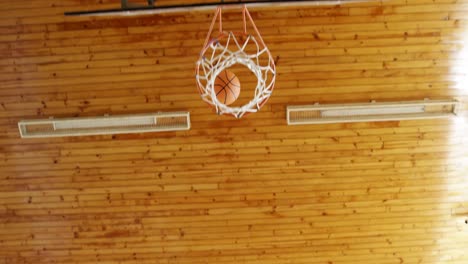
214	102
265	73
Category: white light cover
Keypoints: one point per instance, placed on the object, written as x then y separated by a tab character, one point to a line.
370	112
105	125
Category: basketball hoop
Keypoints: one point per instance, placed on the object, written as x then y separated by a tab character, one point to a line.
228	49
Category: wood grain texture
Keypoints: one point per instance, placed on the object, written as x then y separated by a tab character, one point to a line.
234	191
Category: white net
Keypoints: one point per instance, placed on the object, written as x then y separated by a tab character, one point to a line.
226	51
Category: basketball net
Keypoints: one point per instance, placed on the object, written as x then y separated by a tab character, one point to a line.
228	49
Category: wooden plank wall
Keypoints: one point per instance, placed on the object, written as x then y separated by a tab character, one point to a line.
233	191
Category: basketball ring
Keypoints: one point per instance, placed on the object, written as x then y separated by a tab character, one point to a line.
228	49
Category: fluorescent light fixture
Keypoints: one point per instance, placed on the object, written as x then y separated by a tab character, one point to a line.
375	111
105	125
370	112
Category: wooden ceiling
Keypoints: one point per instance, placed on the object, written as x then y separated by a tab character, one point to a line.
233	191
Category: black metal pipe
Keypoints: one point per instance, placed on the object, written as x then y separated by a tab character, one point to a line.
192	7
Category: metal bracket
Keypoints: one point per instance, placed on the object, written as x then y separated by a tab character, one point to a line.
127	5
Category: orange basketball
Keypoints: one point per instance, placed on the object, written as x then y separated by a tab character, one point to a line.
227	87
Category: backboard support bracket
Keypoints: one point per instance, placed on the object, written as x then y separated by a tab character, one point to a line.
126	5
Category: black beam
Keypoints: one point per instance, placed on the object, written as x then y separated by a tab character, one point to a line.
197	6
